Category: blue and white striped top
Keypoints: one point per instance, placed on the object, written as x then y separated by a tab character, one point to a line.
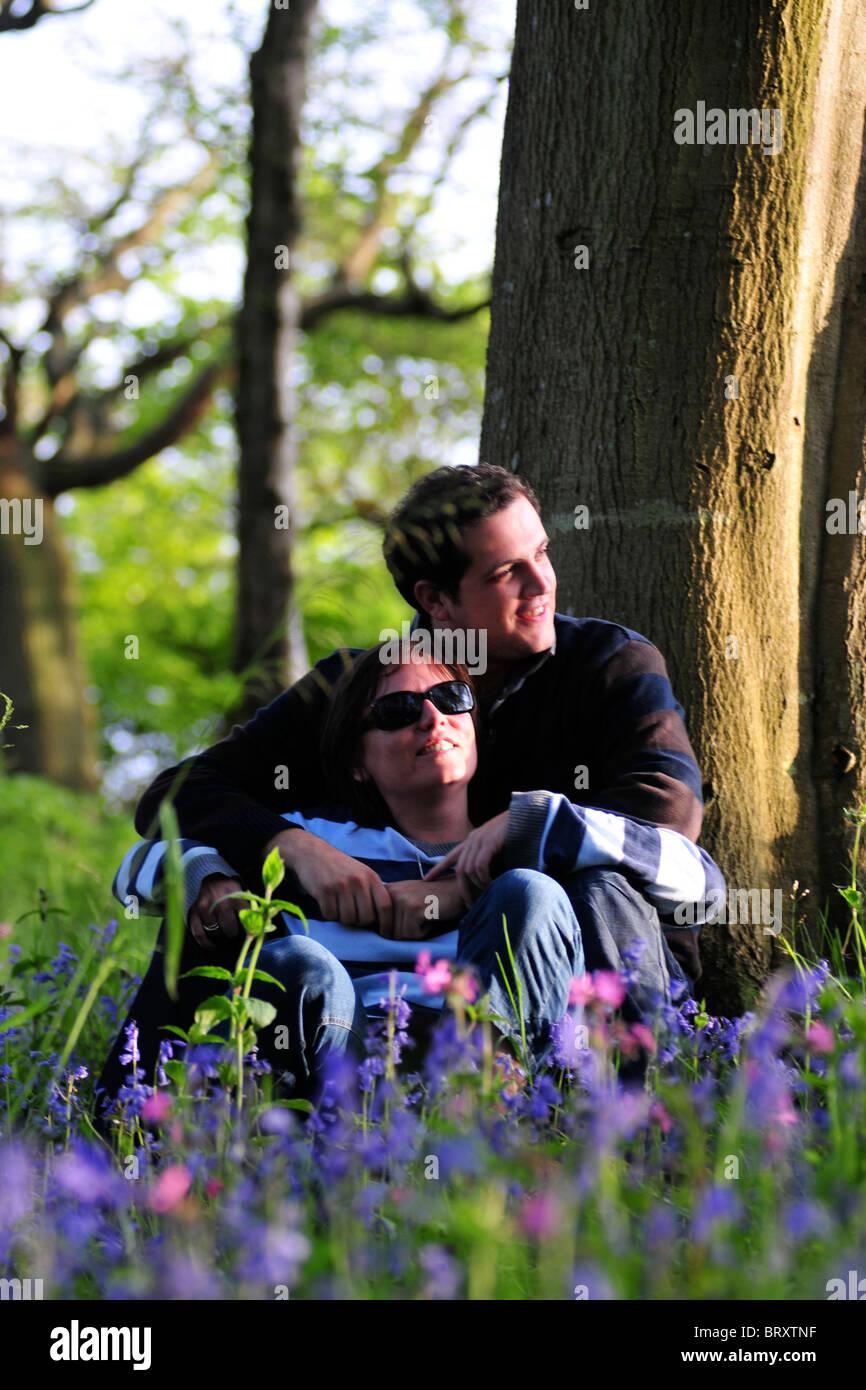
545	832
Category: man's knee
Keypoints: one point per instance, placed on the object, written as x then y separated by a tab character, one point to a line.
525	889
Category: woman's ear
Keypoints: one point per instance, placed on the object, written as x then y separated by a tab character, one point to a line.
360	774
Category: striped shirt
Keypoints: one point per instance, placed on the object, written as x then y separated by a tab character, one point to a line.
545	832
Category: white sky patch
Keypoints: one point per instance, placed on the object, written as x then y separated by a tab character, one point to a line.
56	88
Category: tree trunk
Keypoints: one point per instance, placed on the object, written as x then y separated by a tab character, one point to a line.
269	635
699	388
40	666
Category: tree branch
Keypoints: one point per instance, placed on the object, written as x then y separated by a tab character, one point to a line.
64	471
10	22
10	384
66	396
80	288
415	303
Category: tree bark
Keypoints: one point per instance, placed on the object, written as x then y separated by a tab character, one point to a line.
40	663
613	387
269	635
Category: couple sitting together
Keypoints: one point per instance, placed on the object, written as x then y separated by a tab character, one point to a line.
558	792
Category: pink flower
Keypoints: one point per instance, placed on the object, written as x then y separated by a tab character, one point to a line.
172	1185
580	990
156	1108
819	1037
5	929
540	1216
609	988
642	1035
423	962
659	1113
437	978
213	1186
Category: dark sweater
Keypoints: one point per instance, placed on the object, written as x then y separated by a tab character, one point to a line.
601	701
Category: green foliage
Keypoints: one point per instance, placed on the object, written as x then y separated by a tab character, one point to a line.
60	849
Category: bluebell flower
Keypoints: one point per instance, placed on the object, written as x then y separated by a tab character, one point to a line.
716	1205
442	1275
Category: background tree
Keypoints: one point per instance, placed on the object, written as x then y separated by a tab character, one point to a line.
269	631
71	421
387	371
694	377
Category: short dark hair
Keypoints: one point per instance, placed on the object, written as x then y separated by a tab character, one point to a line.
424	532
342	733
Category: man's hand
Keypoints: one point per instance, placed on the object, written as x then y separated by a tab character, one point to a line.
411	898
346	891
213	905
471	859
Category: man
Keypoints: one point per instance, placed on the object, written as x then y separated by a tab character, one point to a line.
581	707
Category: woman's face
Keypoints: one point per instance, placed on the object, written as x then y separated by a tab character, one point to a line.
438	750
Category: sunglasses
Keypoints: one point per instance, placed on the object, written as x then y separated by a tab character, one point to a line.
401	708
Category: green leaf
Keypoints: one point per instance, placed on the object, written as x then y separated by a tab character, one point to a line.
175	1071
170	1028
260	1012
291	907
175	927
268	979
31	1011
253	920
212	1011
852	896
210	972
273	869
305	1105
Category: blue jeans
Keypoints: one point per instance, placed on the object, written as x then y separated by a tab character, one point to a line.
555	932
621	931
318	1016
546	945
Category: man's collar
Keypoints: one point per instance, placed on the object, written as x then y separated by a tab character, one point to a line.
520	670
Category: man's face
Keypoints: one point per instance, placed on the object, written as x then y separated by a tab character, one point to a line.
509	587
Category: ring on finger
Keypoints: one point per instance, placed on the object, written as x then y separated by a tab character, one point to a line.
211	926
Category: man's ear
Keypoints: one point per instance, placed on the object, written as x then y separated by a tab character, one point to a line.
360	774
434	601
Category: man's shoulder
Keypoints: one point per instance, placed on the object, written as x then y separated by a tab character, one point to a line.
593	641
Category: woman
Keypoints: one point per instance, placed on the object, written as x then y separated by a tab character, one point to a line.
399	746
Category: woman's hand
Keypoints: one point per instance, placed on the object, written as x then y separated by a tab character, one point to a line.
471	859
214	905
411	899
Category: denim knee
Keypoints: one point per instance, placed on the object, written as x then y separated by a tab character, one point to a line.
525	887
299	962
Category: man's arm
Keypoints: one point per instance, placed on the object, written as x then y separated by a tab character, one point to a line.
546	831
645	764
230	796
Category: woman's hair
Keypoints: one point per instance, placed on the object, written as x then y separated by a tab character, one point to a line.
342	732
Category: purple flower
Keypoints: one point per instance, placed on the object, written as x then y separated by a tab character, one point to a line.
714	1206
87	1173
804	1219
442	1275
569	1040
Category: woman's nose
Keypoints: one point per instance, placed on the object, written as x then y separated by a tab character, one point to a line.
430	715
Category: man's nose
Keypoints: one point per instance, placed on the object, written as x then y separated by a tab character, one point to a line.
538	578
